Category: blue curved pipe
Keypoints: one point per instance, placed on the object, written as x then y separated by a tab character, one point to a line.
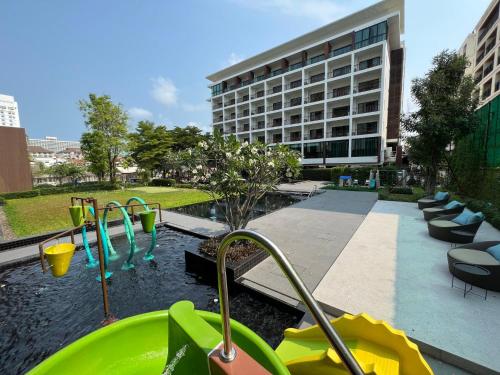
104	237
149	254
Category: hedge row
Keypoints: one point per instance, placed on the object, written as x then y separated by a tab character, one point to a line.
58	190
388	175
401	190
169	182
491	212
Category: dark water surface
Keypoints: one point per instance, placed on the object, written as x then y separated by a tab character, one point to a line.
40	314
268	203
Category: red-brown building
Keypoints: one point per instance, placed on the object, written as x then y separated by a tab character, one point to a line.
15	172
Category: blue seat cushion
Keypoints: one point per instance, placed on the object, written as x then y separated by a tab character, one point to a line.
452	204
494	251
463	218
441	195
476	218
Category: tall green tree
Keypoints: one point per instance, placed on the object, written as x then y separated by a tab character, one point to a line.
94	152
67	170
149	146
186	138
445	113
108	123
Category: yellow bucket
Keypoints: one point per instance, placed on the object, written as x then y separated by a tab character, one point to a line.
59	258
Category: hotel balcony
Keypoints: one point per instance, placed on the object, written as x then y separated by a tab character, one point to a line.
293	85
258	94
293	102
275	90
294	120
367	64
277	122
373	84
316	97
314	134
314	116
315	79
339	92
230	103
339	112
367	107
294	137
259	125
339	72
216	106
340	131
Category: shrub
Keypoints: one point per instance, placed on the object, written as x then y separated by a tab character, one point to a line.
489	210
401	190
3	202
316	174
184	186
59	190
163	182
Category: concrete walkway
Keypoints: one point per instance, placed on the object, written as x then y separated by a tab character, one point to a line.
198	225
393	270
312	233
302	186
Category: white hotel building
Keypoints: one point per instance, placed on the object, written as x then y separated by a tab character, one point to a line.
9	113
333	94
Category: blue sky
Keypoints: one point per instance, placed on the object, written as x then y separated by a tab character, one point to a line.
153	56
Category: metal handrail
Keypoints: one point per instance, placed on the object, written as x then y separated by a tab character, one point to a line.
229	353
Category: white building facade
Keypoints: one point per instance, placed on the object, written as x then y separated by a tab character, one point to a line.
333	94
9	112
482	48
53	144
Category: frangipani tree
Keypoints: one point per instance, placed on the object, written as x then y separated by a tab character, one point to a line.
239	173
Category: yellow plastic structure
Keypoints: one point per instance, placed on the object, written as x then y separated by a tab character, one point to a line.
379	349
59	258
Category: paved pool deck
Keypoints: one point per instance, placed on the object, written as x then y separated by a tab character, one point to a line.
312	233
393	270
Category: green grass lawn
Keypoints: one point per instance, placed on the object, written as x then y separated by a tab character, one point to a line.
29	216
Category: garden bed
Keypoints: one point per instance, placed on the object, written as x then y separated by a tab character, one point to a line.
240	258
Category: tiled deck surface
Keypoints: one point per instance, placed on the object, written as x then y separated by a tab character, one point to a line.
312	233
393	270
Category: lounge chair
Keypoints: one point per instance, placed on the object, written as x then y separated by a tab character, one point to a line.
453	207
476	254
438	199
461	228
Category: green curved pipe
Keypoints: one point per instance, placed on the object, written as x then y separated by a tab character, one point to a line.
129	232
149	254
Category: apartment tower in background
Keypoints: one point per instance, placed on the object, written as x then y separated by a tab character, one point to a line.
9	114
333	94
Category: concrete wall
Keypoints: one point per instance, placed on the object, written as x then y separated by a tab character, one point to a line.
15	172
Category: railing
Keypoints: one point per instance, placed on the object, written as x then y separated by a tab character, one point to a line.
244	99
313	117
339	72
277	106
258	94
313	136
259	126
293	138
293	102
274	90
278	140
232	116
277	123
478	79
339	113
367	86
316	59
342	91
366	108
341	50
293	121
367	64
315	98
487	70
486	94
217	106
293	85
340	133
313	79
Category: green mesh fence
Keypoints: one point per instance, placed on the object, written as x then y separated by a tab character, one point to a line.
486	139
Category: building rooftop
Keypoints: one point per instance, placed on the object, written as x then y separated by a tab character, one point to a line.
394	8
38	149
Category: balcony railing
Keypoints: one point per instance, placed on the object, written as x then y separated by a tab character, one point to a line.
293	138
231	102
487	70
486	93
340	131
341	50
245	113
258	94
315	78
245	98
277	122
367	86
314	117
367	64
339	72
366	108
478	79
232	116
217	106
293	121
245	128
260	125
315	59
274	90
339	112
277	106
313	136
293	102
293	85
315	98
341	91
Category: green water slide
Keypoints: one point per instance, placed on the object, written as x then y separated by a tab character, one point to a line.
147	215
129	232
177	341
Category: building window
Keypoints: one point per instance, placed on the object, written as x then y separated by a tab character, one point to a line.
370	35
296	147
217	89
366	128
337	149
313	150
365	147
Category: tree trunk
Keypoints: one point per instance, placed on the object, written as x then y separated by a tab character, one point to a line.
431	180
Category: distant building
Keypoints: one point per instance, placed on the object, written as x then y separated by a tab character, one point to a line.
53	144
333	94
9	113
39	154
481	47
